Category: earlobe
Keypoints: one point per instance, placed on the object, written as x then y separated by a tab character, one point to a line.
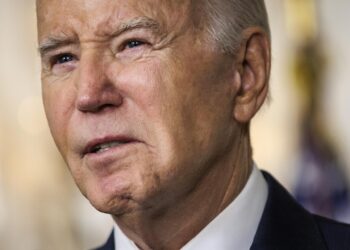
254	69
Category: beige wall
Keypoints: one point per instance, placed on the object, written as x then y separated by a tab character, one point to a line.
38	199
275	129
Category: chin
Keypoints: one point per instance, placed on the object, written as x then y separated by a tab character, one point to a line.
116	206
111	197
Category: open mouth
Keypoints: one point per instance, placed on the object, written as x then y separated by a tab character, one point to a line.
100	146
105	146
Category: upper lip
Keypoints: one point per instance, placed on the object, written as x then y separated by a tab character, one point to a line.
95	142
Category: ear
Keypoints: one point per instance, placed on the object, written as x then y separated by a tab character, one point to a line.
252	70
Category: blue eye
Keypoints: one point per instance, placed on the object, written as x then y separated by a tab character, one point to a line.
63	58
133	43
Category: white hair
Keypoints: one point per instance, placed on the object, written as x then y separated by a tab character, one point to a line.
226	20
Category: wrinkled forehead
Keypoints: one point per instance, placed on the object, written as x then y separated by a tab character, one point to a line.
98	15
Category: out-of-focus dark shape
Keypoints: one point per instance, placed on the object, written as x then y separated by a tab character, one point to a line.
321	185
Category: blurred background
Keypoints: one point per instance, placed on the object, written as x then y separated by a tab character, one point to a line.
301	136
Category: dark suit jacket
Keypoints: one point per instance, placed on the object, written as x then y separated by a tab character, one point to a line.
285	225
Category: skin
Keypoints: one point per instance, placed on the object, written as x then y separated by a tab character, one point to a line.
185	105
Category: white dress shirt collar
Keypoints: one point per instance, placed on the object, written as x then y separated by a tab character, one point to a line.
233	228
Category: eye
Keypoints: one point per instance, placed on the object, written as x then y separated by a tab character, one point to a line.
62	58
132	44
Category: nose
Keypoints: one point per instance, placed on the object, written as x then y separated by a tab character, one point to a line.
95	90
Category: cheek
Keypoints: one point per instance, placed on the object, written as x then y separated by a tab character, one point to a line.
148	91
58	103
151	90
142	83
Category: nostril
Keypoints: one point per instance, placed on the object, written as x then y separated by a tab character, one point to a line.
96	107
86	103
99	101
105	107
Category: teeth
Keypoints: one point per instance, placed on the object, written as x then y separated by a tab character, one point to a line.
105	146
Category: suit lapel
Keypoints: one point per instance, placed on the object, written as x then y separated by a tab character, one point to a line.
285	224
109	245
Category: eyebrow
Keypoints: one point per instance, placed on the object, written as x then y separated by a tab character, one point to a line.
53	42
138	23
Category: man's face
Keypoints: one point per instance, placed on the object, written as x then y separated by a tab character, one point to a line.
140	107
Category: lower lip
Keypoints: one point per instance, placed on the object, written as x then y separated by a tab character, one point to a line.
102	160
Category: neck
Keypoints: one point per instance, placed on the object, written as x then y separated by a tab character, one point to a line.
179	222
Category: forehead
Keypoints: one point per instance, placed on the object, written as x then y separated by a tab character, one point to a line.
65	16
